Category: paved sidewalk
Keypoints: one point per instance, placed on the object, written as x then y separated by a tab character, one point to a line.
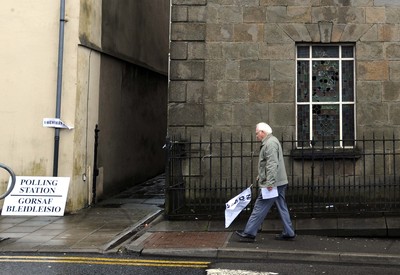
91	230
133	222
209	239
99	229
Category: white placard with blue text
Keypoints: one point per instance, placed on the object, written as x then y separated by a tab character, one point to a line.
37	196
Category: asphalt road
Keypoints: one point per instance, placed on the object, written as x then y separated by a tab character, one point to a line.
297	268
60	264
56	264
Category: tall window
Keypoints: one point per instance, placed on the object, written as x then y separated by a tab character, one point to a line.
325	95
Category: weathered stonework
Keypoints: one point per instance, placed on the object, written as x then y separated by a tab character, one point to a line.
282	114
393	51
179	14
197	14
177	91
187	70
260	91
241	114
255	70
369	51
282	70
188	31
277	51
391	91
244	54
394	70
373	70
233	64
325	31
196	50
394	111
195	92
254	14
372	114
283	92
375	15
179	50
186	114
369	91
240	51
248	32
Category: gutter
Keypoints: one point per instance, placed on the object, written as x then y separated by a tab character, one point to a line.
59	86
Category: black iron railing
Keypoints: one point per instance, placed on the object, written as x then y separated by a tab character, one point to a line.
202	175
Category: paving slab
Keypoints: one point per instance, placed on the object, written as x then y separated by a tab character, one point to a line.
180	226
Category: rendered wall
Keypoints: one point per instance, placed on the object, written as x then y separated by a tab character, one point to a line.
137	31
132	124
132	40
28	66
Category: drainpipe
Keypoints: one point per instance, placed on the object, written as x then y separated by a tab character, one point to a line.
59	86
169	59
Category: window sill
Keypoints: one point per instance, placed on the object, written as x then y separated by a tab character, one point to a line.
327	153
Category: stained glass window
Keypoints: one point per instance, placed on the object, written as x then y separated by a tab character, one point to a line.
303	81
325	51
325	95
303	51
347	80
348	124
303	120
325	76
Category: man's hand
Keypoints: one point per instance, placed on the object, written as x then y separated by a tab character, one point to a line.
269	188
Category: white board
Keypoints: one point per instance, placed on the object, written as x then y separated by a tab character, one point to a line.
37	196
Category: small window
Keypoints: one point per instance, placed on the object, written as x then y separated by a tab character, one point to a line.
325	96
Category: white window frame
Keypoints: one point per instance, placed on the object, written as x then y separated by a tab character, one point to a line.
310	103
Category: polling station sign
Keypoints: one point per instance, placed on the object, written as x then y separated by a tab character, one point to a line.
37	196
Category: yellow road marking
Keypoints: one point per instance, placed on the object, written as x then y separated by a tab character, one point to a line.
103	261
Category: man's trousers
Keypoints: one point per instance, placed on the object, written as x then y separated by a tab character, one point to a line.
261	209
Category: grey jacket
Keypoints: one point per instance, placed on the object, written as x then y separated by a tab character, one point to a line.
271	166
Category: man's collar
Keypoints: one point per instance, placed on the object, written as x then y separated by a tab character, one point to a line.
266	138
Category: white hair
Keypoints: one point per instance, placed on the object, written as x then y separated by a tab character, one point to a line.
262	126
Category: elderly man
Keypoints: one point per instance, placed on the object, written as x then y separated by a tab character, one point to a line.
271	174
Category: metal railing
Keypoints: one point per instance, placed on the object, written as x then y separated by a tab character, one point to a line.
11	186
202	175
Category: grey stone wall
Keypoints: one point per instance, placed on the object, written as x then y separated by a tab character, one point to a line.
233	62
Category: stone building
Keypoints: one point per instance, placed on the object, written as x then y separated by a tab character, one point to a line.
320	72
233	63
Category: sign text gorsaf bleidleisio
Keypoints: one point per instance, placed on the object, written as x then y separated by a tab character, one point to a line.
37	196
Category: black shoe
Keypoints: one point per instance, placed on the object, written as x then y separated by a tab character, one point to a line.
245	235
282	237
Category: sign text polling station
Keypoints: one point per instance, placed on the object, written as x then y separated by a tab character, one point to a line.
39	196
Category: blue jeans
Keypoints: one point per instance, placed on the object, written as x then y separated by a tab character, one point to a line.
261	209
